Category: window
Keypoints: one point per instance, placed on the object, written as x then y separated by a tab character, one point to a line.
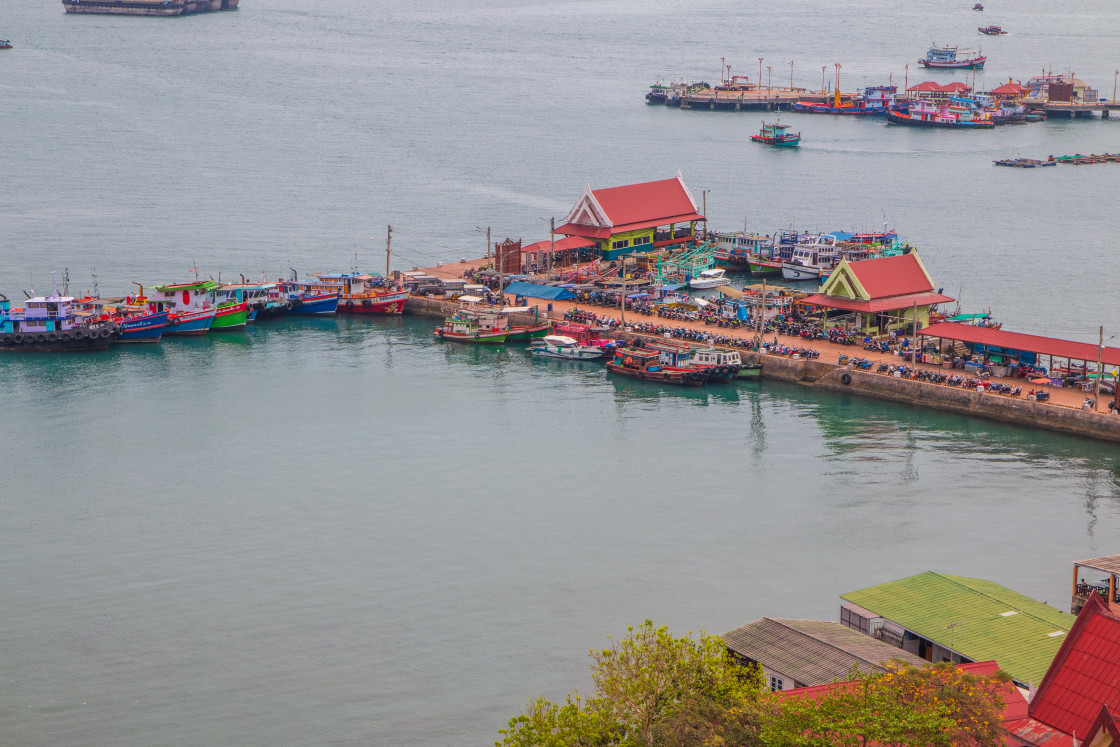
639	241
624	243
775	683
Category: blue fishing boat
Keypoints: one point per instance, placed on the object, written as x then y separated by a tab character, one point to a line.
142	327
773	133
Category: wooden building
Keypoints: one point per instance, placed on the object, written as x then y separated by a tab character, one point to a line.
634	218
878	296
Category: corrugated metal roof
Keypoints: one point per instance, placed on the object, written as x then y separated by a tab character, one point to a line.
1108	564
1078	351
638	203
891	276
1085	674
968	615
881	304
813	652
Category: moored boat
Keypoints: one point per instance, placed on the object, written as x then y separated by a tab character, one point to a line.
482	326
523	332
50	324
645	364
359	293
933	114
191	312
991	30
562	346
774	133
724	364
709	279
5	44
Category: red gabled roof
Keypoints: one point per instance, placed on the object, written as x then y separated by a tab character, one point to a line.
1008	89
1085	674
568	242
891	276
926	85
1078	351
663	200
956	86
891	303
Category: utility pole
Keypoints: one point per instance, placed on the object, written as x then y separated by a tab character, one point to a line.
791	76
501	271
388	251
1100	355
722	66
623	313
704	197
760	73
761	315
914	341
822	79
552	248
906	84
488	242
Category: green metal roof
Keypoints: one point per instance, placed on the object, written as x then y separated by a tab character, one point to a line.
969	616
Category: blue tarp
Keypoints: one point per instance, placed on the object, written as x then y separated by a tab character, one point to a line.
534	290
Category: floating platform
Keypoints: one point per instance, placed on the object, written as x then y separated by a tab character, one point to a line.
1023	163
147	7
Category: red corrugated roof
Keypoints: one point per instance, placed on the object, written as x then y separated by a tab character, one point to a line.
593	232
1008	89
891	303
1084	675
1078	351
662	200
568	242
891	276
925	85
956	86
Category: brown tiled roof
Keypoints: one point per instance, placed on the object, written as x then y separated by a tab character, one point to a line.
812	652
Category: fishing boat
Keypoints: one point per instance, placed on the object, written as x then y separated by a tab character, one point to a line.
978	6
724	365
142	326
645	364
482	326
253	295
188	304
774	133
5	44
812	258
709	279
935	114
50	324
562	346
1023	163
524	332
735	250
586	336
953	58
359	293
991	30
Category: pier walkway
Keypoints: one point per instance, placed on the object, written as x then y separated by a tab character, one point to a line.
1061	398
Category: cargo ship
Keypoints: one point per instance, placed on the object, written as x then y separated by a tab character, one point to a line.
147	7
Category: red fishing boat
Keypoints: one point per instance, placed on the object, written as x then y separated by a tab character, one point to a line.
645	364
359	294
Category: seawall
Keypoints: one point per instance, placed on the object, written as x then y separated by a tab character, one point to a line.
847	380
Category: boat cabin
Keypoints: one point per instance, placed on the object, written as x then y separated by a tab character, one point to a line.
41	314
182	296
637	359
672	353
471	320
716	357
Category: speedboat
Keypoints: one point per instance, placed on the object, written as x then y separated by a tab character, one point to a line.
562	346
709	279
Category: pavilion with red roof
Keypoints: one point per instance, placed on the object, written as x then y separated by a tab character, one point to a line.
636	217
1008	92
876	296
564	252
930	90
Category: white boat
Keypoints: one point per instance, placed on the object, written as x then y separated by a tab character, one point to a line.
562	346
812	258
709	279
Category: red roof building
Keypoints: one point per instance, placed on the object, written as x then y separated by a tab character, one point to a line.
875	296
535	256
1078	701
932	91
1008	90
636	217
1014	344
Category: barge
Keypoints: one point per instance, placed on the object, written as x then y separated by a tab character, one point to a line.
147	7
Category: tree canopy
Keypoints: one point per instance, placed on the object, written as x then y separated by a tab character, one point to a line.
653	688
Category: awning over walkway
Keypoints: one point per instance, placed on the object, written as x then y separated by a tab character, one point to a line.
535	290
998	338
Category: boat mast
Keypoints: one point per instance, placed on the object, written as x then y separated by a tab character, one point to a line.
388	251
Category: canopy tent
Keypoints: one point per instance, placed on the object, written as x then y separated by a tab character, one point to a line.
535	290
967	317
1016	341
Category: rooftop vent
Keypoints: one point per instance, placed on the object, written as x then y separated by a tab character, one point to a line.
1055	634
1009	613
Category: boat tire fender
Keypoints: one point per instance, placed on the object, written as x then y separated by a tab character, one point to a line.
40	338
288	305
367	303
845	378
8	340
349	304
66	335
175	322
52	337
17	339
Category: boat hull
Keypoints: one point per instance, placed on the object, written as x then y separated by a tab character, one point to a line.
324	304
583	354
190	324
528	331
98	337
392	303
146	328
677	377
749	371
479	338
781	142
962	65
800	272
903	119
147	7
764	269
230	318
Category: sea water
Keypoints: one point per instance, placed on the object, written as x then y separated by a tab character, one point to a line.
340	530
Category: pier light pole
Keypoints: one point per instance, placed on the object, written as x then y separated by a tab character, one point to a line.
1100	355
704	197
722	66
552	248
760	72
837	78
906	84
768	86
388	251
791	76
822	79
1114	76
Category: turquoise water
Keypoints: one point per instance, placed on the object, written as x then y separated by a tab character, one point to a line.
340	530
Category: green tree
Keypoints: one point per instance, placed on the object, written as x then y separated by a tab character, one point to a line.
937	706
652	688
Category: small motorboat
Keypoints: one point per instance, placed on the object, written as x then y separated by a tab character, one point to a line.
773	133
709	279
978	6
562	346
5	44
991	30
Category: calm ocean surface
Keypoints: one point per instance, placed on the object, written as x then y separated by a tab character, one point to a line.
339	531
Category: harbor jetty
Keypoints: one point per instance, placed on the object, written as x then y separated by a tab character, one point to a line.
1063	412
